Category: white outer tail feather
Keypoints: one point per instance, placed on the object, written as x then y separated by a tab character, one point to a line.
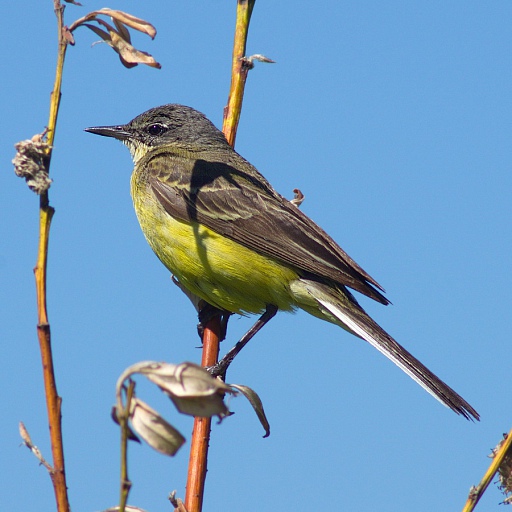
338	306
343	317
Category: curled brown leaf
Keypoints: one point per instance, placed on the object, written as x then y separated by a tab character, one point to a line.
123	31
128	54
119	37
154	429
131	21
256	403
120	16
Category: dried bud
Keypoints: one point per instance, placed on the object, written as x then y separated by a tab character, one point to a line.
298	197
29	163
249	61
505	473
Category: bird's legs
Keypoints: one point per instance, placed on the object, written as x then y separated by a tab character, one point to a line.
206	313
221	367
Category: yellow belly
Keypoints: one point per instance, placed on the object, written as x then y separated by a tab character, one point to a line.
217	269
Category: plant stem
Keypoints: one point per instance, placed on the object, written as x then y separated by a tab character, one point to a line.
212	332
239	71
197	465
123	417
56	93
53	400
477	492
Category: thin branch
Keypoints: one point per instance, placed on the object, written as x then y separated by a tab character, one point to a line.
123	417
498	456
239	70
53	400
57	86
213	329
197	465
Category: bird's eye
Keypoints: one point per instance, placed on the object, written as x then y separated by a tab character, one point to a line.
156	129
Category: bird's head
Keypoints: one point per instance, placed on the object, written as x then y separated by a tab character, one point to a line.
173	126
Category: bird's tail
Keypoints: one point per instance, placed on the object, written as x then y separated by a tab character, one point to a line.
340	307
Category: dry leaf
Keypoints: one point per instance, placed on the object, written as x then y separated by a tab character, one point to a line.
123	31
115	419
129	20
119	38
154	429
129	55
256	403
191	388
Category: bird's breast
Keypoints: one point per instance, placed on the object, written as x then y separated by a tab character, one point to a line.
214	267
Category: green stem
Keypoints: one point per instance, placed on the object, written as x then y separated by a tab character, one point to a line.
123	417
478	491
53	400
239	70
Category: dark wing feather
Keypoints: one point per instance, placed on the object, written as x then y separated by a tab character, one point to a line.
234	200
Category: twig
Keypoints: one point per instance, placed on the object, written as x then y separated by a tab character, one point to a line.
122	417
239	70
476	492
53	400
213	329
198	459
176	503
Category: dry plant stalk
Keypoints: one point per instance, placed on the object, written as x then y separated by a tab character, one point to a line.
53	400
501	462
125	435
35	155
198	459
212	331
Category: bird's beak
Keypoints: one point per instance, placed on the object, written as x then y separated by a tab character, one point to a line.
117	132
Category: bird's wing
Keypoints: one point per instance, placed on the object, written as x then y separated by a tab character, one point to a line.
237	202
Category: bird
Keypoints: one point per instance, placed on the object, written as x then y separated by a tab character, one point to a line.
228	237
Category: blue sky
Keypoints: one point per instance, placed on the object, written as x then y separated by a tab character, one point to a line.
394	119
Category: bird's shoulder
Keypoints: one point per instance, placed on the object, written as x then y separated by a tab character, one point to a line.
211	179
227	194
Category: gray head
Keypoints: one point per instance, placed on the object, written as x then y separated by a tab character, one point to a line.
170	125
